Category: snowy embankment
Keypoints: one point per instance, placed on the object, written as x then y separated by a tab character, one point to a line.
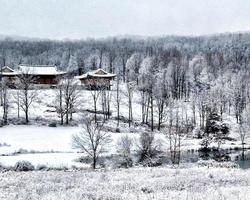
134	183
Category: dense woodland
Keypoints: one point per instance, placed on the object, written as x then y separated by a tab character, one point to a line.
211	73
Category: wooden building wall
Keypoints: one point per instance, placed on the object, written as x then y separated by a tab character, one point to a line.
97	83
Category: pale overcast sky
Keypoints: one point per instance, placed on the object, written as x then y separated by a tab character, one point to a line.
74	19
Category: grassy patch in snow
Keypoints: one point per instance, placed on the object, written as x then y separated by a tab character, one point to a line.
134	183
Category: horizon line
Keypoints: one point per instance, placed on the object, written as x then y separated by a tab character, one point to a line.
120	36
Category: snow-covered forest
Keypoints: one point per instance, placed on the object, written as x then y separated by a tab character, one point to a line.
180	104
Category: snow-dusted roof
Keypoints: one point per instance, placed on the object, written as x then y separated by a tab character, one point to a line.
40	70
7	69
99	73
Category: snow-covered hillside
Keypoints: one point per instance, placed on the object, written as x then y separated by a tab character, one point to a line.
52	146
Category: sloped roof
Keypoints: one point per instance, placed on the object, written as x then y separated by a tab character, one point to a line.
40	70
99	73
7	69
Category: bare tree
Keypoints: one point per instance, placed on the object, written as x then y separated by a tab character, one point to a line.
3	59
124	146
117	99
244	126
60	108
243	133
92	140
106	99
194	107
130	88
202	108
147	147
239	100
146	83
161	95
124	55
1	86
111	58
5	99
16	100
143	101
27	92
175	133
95	95
101	51
70	96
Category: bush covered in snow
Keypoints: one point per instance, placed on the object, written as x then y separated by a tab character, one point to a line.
214	164
23	166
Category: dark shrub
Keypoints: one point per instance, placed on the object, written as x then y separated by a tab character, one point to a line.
53	124
126	163
42	167
84	159
147	147
23	166
117	130
1	123
152	162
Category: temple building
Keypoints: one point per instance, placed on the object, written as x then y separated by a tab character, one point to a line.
43	74
97	79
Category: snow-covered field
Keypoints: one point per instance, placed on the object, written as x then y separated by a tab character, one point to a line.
52	146
35	138
42	145
39	145
46	145
135	183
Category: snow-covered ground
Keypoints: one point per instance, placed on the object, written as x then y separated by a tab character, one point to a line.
41	144
53	146
135	183
35	138
46	145
42	110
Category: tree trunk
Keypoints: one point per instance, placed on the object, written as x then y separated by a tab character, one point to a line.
152	113
159	122
5	107
94	161
95	110
243	151
147	110
61	119
124	70
60	106
118	103
26	107
27	116
67	113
